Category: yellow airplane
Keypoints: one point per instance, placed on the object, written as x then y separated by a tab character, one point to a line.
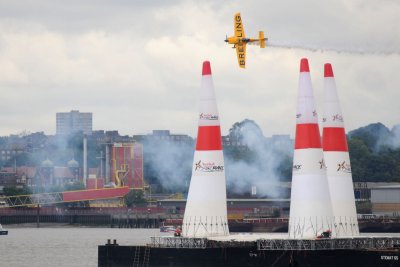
239	41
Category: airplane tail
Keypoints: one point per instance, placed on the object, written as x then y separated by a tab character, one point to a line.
261	39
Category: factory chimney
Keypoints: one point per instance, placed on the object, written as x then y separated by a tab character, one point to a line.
310	206
337	161
206	211
84	160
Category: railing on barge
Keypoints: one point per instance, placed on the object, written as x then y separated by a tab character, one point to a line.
196	243
329	244
355	243
178	242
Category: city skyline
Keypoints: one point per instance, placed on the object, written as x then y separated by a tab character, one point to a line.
137	65
155	131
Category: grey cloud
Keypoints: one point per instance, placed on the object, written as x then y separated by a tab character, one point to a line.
140	61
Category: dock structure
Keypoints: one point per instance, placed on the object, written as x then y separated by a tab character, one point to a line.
63	197
254	250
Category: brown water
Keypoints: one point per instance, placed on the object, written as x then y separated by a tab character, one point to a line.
63	246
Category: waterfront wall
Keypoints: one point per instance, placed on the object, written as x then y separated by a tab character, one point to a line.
113	221
153	218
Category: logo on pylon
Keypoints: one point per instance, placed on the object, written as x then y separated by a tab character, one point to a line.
337	117
344	167
297	167
208	167
210	117
322	164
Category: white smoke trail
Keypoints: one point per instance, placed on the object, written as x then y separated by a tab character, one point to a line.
387	50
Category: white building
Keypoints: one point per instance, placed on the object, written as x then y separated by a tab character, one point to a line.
385	199
73	122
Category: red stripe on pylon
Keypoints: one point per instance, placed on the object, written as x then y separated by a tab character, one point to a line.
206	68
307	136
334	139
209	138
328	72
304	65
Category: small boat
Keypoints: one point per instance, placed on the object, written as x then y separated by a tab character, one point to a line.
167	229
2	231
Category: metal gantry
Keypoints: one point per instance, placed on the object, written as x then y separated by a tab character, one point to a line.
34	199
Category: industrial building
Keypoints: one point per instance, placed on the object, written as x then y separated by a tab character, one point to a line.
385	200
126	164
238	208
164	135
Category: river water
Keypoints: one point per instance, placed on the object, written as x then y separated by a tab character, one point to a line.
63	246
55	246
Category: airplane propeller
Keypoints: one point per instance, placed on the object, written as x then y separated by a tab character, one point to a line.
226	39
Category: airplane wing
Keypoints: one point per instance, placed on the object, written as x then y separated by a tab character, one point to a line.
238	26
241	54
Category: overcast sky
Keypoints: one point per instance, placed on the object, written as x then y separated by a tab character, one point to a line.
137	64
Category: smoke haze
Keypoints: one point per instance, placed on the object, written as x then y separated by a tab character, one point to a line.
391	139
261	162
378	137
169	163
250	160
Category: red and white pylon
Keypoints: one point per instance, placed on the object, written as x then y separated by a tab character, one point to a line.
337	160
206	211
310	206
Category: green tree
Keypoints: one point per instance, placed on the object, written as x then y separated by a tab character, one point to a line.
134	197
360	157
14	191
74	186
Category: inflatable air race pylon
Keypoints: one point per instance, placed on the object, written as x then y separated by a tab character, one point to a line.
310	206
206	211
337	161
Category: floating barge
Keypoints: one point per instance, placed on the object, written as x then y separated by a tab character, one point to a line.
253	250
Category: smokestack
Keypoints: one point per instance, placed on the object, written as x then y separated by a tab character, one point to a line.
107	164
310	205
84	160
206	211
337	161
